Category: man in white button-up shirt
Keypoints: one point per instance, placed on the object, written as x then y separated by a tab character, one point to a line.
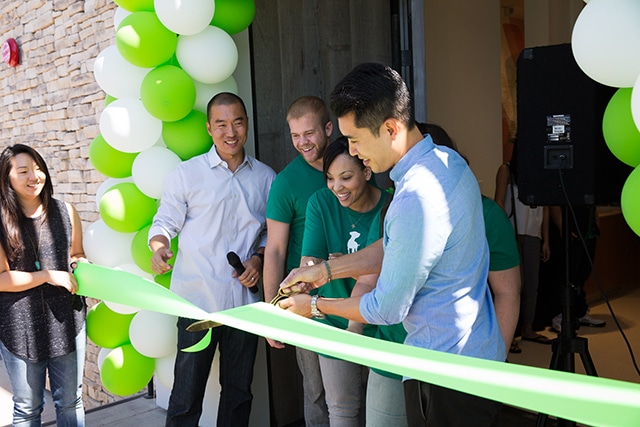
215	203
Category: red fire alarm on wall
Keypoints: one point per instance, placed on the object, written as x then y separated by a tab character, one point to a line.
10	52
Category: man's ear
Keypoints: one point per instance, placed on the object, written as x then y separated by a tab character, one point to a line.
367	173
328	129
391	126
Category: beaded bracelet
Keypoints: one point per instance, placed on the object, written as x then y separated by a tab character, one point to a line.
326	265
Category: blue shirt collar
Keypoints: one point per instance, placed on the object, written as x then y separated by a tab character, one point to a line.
408	160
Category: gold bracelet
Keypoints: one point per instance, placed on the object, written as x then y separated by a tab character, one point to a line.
326	265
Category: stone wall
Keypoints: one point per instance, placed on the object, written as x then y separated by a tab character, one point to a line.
52	102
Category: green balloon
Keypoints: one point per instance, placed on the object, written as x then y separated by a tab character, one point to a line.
125	371
106	328
108	99
109	161
233	16
164	279
630	200
187	137
168	93
142	40
126	209
136	5
619	129
141	253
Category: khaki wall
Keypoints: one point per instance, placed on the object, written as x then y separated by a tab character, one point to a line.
52	102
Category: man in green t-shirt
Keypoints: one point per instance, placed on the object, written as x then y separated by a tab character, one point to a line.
310	128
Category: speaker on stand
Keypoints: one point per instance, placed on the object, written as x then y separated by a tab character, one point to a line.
563	161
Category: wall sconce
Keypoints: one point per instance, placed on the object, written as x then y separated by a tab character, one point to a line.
10	52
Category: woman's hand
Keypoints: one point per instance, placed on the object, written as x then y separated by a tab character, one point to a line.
299	304
63	279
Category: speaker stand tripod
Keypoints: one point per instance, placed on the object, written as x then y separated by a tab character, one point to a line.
567	344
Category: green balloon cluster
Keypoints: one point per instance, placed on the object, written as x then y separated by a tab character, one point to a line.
168	93
109	161
619	129
187	137
233	16
141	253
106	328
126	209
142	40
125	371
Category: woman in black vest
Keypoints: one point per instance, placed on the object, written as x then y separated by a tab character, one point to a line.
42	320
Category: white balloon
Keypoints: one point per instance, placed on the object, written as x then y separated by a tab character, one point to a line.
121	308
102	354
210	56
107	184
127	126
185	17
118	16
204	91
154	334
151	167
117	76
635	102
164	369
606	41
134	269
104	246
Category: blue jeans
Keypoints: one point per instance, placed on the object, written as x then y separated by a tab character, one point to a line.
385	402
28	383
237	357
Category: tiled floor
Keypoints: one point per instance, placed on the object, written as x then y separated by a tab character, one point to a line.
607	348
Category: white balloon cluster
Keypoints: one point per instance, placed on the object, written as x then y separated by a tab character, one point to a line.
605	43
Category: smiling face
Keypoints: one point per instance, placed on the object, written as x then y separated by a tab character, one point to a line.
348	181
375	151
310	137
26	177
228	126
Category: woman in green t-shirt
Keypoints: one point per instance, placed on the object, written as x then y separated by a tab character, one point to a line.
338	221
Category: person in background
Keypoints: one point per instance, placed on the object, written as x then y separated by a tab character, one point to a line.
585	230
435	255
42	326
216	203
310	130
531	225
338	222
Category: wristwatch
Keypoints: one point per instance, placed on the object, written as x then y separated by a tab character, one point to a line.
315	313
259	255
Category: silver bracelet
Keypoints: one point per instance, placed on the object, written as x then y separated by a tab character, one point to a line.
315	313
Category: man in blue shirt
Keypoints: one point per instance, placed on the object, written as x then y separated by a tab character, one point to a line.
433	276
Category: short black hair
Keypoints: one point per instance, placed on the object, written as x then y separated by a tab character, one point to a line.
225	98
374	93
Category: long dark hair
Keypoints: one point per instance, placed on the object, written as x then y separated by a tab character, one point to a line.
336	148
10	211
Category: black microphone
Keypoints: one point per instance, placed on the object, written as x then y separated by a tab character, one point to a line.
234	261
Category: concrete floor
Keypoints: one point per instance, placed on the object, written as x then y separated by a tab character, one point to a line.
606	346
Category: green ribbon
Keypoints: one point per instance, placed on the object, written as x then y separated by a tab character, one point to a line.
581	398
